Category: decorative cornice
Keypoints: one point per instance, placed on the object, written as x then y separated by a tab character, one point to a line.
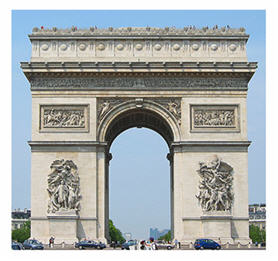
210	146
215	217
180	66
78	218
61	146
191	31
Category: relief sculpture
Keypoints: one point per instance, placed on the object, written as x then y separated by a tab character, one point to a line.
214	118
63	187
172	105
106	105
62	118
215	189
174	108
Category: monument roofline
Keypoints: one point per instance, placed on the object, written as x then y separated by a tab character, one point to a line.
134	43
188	32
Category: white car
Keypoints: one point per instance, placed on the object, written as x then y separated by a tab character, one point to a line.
161	244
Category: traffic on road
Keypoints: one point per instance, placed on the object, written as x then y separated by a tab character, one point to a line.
133	244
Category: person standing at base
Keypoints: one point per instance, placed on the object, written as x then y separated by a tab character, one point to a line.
51	241
142	243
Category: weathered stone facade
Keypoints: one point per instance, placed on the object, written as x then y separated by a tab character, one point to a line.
189	85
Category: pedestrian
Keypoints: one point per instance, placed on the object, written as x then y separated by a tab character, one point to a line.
50	241
176	243
142	247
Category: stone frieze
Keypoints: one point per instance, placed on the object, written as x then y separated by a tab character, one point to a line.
214	118
61	117
138	83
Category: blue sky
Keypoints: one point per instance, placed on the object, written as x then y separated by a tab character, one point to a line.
145	180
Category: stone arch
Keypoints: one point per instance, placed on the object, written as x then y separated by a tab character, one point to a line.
138	113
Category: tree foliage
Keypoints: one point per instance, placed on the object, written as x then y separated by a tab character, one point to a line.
256	234
22	233
115	234
166	237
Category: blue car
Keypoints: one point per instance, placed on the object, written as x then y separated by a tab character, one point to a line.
89	244
16	246
129	243
206	244
32	244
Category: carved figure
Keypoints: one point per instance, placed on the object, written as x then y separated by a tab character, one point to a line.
215	189
105	108
173	108
63	186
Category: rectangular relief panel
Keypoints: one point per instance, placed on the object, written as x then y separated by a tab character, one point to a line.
64	118
214	118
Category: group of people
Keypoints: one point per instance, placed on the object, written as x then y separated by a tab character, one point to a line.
148	245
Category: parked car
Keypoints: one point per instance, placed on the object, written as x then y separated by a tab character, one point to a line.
89	244
206	244
16	246
115	244
32	244
128	244
161	244
101	245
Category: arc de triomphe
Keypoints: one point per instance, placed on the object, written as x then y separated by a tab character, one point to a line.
189	85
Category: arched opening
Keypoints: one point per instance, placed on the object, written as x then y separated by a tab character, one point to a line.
128	120
139	118
139	183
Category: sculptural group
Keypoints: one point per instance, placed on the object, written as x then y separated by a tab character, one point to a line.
215	192
63	186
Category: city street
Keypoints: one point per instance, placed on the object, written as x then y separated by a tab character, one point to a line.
231	247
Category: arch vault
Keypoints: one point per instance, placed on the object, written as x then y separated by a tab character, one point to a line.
88	86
